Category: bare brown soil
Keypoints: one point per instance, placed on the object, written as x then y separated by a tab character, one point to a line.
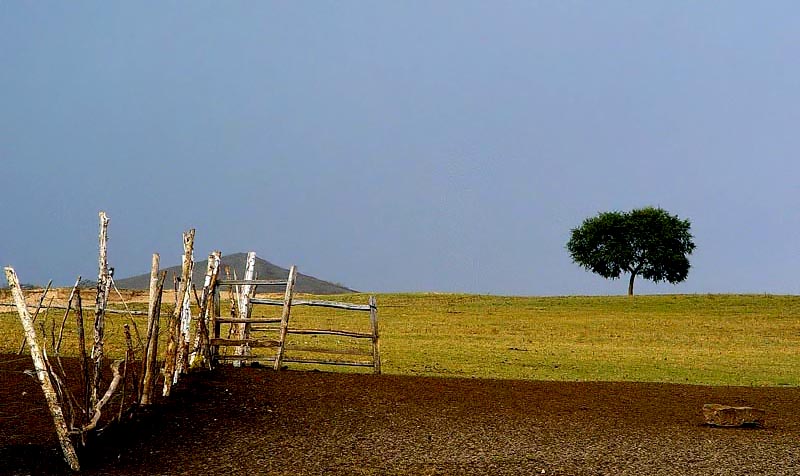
255	421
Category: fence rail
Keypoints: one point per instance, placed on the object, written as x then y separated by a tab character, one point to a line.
329	362
330	332
315	303
252	282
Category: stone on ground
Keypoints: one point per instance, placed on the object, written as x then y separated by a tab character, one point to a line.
724	415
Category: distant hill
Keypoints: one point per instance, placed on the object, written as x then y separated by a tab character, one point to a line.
236	262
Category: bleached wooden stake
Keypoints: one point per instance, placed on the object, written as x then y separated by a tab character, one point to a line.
39	364
201	357
36	314
100	307
243	330
182	359
175	320
151	346
153	322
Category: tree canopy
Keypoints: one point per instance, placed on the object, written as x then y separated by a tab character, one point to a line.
646	242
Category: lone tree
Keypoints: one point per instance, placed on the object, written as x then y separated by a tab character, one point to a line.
647	242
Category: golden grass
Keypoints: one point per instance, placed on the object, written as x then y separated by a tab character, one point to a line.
698	339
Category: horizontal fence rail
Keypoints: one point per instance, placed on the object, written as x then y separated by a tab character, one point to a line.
304	302
328	362
330	332
250	320
252	282
86	309
320	350
247	342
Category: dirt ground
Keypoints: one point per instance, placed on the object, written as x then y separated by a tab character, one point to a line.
255	421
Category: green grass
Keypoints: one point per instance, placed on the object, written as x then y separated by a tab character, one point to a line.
698	339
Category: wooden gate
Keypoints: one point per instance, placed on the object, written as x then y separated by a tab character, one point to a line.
241	323
373	336
242	326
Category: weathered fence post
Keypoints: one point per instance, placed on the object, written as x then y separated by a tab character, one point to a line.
243	329
36	314
376	347
175	320
100	307
182	359
287	309
40	365
202	351
153	319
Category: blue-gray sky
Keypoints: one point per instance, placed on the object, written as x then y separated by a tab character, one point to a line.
401	146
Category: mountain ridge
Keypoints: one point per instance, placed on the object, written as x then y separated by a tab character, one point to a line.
236	262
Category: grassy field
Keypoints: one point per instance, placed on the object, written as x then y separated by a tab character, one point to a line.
698	339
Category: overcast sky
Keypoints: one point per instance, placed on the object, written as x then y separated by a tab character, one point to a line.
401	146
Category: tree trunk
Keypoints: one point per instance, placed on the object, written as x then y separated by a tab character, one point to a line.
630	284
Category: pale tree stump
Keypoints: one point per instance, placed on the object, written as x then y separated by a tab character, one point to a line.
724	415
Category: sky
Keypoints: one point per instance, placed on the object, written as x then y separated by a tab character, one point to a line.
445	146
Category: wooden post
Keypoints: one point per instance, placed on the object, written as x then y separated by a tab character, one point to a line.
50	396
215	324
153	320
147	370
287	308
201	355
100	307
182	359
376	347
36	314
175	320
243	330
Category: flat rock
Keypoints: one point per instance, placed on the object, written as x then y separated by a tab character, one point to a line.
727	416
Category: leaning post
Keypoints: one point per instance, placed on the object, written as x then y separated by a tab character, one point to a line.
285	314
37	355
153	317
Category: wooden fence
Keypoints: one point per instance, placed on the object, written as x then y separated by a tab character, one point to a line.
242	326
373	336
183	352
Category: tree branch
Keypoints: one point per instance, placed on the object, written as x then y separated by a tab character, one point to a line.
112	387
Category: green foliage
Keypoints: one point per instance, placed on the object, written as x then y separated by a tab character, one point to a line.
647	242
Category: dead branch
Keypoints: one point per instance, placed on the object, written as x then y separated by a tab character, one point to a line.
112	387
66	314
